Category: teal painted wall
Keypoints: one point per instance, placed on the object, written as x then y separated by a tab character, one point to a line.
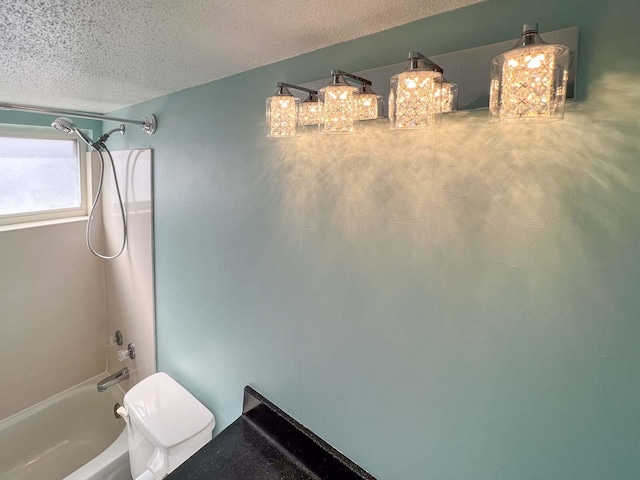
456	304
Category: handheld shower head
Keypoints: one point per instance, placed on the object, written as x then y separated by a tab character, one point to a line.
63	124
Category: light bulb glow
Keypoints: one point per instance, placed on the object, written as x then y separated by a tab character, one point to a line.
281	116
310	113
414	100
339	113
368	106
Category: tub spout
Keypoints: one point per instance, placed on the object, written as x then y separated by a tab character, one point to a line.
113	379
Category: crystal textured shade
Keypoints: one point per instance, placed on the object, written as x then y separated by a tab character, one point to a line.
369	106
529	83
282	113
414	99
310	113
340	108
449	96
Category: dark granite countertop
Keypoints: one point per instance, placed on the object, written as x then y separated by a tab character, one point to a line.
265	443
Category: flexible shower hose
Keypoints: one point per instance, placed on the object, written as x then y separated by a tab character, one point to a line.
97	199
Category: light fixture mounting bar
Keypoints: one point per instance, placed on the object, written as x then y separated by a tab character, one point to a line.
414	56
296	87
358	79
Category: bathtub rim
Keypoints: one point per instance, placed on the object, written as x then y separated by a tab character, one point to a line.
47	402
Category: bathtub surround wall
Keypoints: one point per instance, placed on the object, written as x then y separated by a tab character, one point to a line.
51	305
52	320
58	302
456	304
55	314
129	278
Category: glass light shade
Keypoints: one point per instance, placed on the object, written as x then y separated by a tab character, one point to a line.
369	103
340	111
414	98
282	114
369	106
529	83
448	96
310	113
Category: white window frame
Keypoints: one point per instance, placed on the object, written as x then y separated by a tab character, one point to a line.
49	133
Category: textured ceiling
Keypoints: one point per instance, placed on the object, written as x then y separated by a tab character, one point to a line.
106	54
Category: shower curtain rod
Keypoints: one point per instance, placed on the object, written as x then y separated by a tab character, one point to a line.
148	124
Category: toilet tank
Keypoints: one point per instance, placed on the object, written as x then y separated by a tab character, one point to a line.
166	425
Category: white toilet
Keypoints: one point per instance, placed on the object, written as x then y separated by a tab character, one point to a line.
165	426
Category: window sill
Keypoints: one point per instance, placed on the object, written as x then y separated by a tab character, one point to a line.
42	223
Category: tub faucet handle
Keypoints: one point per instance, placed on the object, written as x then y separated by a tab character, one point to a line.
129	352
115	339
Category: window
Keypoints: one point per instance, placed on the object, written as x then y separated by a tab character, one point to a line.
42	176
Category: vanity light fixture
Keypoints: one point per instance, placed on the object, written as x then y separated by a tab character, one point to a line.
448	96
414	97
369	103
529	82
285	112
341	108
310	111
282	112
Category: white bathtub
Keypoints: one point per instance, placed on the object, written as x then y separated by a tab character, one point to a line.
72	436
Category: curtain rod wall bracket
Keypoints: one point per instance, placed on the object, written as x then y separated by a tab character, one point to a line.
149	124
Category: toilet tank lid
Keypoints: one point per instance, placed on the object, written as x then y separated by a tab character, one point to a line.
165	411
